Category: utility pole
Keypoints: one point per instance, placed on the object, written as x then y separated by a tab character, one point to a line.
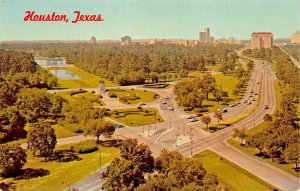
254	119
155	121
100	160
148	130
170	123
143	126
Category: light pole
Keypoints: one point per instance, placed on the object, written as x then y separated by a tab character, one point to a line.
143	126
100	159
155	121
170	123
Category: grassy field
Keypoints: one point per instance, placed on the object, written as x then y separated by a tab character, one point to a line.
136	117
88	80
231	175
83	98
63	174
144	96
252	151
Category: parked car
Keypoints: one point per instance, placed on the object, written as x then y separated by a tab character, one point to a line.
170	108
193	119
266	107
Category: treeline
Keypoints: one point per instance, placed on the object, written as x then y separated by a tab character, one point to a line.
132	64
281	139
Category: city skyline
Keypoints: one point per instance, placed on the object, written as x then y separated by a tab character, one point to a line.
151	20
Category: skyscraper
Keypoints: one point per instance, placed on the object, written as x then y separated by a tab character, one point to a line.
204	37
295	38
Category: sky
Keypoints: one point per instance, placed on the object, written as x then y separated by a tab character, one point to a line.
150	19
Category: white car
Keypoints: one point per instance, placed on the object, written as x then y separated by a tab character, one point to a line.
193	119
231	105
170	108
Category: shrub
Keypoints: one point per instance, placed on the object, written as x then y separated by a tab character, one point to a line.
112	95
88	150
78	130
84	147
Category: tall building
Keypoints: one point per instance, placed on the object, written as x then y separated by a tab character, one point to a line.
295	38
204	36
262	40
93	39
125	40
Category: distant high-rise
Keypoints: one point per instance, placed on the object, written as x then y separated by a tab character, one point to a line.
295	38
204	37
125	40
93	39
262	40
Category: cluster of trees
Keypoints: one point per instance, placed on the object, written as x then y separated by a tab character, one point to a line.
191	93
132	64
137	169
20	99
281	139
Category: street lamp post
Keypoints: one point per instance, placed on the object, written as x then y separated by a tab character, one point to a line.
155	121
100	160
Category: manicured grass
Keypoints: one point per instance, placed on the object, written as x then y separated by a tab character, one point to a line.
233	176
196	74
88	80
136	117
228	83
83	98
144	96
66	129
252	151
64	174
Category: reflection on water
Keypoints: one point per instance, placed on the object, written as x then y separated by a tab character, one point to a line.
51	61
65	74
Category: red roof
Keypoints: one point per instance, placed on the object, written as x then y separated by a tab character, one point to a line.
262	33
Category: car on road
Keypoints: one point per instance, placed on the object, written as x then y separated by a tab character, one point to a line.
250	96
258	82
224	110
164	102
245	101
266	107
256	94
116	125
236	103
253	99
252	91
249	103
167	97
170	108
141	104
193	119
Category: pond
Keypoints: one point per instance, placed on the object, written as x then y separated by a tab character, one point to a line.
65	74
50	61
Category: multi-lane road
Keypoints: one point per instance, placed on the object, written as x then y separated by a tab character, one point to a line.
175	124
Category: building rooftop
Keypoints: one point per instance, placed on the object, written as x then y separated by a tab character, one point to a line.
262	33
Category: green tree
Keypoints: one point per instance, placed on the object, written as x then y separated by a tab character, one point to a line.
165	160
42	138
99	127
240	133
12	159
207	84
139	154
257	141
218	115
122	175
156	182
206	120
268	117
291	154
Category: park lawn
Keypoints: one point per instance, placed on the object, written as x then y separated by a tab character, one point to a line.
289	168
145	96
233	176
65	129
196	74
64	174
88	80
83	98
136	117
228	83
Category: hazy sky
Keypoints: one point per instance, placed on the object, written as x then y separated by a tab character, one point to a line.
144	19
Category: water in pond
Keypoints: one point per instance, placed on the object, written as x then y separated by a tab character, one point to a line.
51	61
65	74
